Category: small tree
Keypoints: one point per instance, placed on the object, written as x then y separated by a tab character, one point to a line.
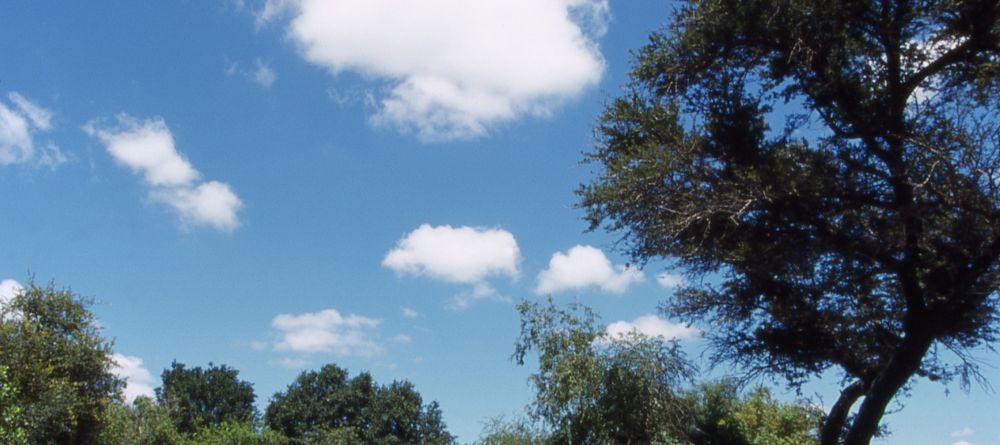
861	234
58	364
594	389
205	398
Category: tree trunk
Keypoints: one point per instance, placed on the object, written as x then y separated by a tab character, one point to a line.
834	425
902	366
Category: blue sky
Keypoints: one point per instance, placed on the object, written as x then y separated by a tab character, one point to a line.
277	185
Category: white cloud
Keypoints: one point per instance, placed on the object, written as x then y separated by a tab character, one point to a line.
963	442
455	254
964	432
454	68
409	313
39	117
651	326
326	331
264	75
8	289
584	266
147	148
213	203
138	380
481	291
18	126
670	281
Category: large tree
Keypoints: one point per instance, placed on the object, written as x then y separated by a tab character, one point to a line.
330	407
833	169
206	398
58	366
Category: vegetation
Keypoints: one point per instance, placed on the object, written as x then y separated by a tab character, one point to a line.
327	406
58	367
205	398
863	232
595	389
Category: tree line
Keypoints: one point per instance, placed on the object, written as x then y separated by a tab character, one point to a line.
57	387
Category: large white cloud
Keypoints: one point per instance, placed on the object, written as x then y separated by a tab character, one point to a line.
456	254
585	266
651	326
19	124
147	148
454	67
8	289
138	380
326	331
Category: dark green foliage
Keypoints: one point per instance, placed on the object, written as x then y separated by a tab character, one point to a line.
205	398
328	406
58	365
863	233
592	389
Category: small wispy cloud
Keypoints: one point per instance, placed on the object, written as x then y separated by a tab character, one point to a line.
147	148
20	123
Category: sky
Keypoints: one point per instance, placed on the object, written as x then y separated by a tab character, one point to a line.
278	184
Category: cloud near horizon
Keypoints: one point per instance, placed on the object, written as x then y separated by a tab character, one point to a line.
8	289
147	148
326	331
454	68
585	266
19	124
138	379
651	326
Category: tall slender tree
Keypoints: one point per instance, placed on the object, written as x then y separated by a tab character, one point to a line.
834	166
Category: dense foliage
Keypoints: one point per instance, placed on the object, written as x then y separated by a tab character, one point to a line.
205	398
58	367
592	388
328	406
835	165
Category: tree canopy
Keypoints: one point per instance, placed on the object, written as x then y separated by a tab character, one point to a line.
594	388
329	406
205	398
833	169
58	367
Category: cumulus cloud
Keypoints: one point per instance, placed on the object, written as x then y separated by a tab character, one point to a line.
138	380
454	68
147	148
8	289
963	442
326	331
585	266
651	326
19	124
455	254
